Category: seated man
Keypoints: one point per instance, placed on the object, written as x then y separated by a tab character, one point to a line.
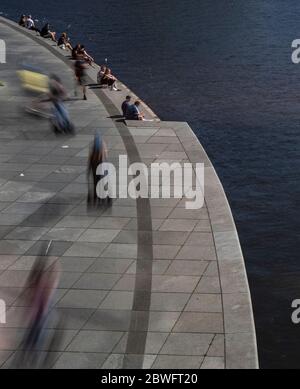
133	112
126	105
47	33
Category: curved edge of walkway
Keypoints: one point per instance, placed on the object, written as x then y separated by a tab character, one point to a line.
240	335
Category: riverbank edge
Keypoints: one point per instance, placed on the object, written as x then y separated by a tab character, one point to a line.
240	336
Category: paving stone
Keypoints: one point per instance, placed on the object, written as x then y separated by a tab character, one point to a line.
200	239
10	294
174	284
84	249
203	226
26	262
75	264
7	260
4	355
117	250
73	318
95	341
56	249
197	253
176	362
11	219
182	213
200	322
212	270
98	235
187	344
76	222
114	320
204	303
187	268
77	298
97	281
159	267
213	363
154	343
216	349
27	233
209	285
169	237
162	321
168	301
112	223
110	265
15	247
165	251
65	234
117	300
77	360
22	209
116	361
178	225
133	225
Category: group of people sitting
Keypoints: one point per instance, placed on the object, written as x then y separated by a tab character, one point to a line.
105	78
45	32
132	111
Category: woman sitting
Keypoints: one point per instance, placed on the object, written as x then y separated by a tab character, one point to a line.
47	33
109	80
84	55
64	42
101	73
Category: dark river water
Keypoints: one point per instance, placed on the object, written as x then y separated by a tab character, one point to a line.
225	67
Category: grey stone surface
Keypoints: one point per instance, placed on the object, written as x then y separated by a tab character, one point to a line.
187	344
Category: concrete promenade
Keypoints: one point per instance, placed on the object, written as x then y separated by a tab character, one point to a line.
144	284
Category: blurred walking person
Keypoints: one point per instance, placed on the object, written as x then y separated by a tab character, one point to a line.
97	156
40	289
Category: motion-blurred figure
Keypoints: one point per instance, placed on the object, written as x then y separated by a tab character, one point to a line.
40	288
60	119
97	156
50	101
80	67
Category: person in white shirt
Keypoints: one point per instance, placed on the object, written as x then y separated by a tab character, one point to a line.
30	24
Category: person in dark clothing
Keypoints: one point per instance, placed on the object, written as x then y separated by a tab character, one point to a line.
98	155
133	112
125	105
47	33
22	21
81	76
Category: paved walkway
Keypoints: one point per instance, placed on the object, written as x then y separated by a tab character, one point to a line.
146	283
